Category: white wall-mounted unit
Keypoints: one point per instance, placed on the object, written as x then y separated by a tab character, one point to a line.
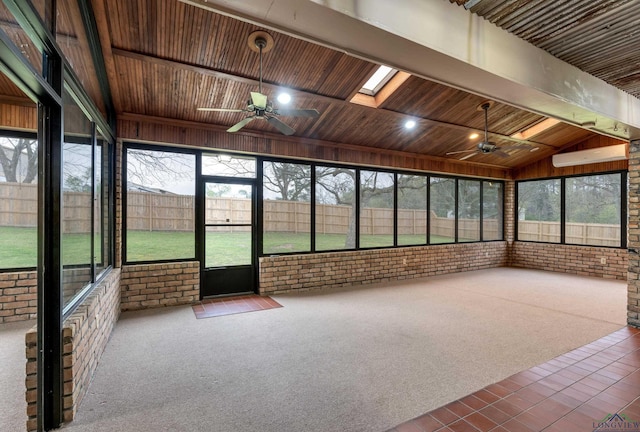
595	155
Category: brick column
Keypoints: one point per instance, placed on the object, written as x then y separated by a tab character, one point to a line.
509	217
633	279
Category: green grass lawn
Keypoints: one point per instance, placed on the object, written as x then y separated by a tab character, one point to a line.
18	246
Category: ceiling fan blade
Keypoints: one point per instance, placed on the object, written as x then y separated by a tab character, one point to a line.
220	109
519	147
468	156
297	112
259	100
287	130
461	151
501	154
242	123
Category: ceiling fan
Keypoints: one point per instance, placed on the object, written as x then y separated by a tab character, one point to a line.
485	146
258	106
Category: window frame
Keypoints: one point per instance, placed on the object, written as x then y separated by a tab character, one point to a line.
623	208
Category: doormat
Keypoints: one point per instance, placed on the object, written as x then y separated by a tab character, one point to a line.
233	305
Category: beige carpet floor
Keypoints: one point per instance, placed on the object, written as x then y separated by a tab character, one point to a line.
363	359
13	407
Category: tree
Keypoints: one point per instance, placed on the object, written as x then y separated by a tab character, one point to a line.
19	159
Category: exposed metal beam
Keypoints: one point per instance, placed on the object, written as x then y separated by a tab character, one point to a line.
445	43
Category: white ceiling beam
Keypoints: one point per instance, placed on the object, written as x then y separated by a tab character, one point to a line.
445	43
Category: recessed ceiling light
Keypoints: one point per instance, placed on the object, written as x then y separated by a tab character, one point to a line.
410	124
284	98
474	136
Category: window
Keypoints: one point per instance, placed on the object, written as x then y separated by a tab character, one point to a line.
287	207
492	211
85	248
18	200
379	78
442	210
335	208
77	202
468	210
539	210
593	210
223	165
160	205
376	209
412	210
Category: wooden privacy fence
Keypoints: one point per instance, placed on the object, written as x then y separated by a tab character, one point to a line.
575	233
164	212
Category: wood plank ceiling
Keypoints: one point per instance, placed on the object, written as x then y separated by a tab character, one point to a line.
168	58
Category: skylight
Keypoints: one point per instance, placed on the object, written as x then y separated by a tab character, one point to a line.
378	80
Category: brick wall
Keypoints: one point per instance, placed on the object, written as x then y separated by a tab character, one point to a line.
85	335
314	271
146	286
633	292
579	260
18	296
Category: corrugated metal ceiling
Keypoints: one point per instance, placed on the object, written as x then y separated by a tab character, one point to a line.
599	37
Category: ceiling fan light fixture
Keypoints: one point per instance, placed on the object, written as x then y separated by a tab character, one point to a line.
410	124
284	98
474	135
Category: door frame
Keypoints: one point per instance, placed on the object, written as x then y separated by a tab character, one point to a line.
201	228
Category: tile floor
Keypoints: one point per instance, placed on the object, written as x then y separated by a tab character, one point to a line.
574	392
232	305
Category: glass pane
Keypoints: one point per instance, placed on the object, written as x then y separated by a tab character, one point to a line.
492	212
539	210
228	204
101	230
287	207
228	166
77	183
376	209
19	37
18	178
160	205
228	246
412	210
335	208
468	210
73	42
593	210
442	209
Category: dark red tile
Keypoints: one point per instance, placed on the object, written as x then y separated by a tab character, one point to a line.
540	371
498	390
515	426
536	420
473	402
444	416
565	425
508	408
428	423
459	408
486	396
576	394
511	385
594	383
530	395
519	402
480	422
541	389
462	426
495	415
566	400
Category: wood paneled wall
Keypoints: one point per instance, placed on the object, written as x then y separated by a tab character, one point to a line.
18	117
544	168
183	133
